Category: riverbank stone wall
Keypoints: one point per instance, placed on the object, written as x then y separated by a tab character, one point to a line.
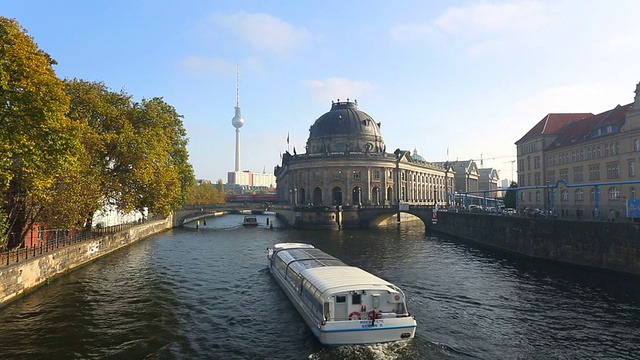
20	278
611	246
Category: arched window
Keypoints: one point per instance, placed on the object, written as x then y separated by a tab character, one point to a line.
375	196
317	196
389	194
356	196
302	198
336	196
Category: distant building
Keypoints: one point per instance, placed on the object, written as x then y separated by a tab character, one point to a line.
488	180
466	175
346	163
582	149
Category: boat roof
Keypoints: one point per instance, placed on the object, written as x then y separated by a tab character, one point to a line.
333	279
280	246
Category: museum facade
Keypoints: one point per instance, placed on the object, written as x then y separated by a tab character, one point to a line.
346	163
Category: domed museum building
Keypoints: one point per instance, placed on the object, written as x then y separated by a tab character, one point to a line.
346	167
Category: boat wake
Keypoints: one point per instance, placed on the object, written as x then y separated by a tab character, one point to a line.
387	351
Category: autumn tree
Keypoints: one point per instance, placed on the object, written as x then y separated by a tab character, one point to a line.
137	151
36	139
206	193
160	175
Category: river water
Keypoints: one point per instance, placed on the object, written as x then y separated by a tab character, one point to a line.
206	294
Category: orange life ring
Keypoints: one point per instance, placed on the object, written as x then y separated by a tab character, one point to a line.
373	314
355	314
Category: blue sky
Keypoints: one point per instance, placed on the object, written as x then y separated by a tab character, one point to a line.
468	76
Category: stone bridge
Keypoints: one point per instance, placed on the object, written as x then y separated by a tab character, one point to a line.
372	216
348	216
192	213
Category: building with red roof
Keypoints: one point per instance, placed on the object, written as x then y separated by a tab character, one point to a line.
581	148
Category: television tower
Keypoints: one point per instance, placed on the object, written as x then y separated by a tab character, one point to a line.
237	120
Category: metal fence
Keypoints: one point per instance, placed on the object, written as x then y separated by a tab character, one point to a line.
49	240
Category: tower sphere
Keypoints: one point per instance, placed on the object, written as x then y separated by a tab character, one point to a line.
237	120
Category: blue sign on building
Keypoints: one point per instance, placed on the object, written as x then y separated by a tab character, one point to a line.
633	208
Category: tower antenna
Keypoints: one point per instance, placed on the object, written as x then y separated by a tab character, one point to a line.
237	85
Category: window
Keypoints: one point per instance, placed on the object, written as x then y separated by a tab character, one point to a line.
636	145
579	195
551	176
537	179
376	174
594	172
632	168
564	195
612	171
341	299
356	175
529	196
355	299
577	174
538	196
528	163
337	175
632	193
316	175
592	195
390	174
564	174
614	193
536	162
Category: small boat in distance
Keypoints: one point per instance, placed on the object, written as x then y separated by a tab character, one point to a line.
250	220
341	304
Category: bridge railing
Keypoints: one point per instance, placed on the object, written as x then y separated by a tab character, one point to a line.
49	240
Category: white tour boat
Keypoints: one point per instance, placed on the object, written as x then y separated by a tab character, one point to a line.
343	305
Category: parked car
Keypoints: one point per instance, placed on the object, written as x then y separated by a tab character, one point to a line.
509	211
534	213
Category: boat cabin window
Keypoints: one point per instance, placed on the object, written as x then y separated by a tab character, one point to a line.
341	299
355	299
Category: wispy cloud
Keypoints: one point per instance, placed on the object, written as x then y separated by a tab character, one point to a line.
338	88
480	27
200	65
262	32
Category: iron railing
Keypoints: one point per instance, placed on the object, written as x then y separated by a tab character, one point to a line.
50	240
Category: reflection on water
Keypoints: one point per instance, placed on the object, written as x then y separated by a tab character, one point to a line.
206	294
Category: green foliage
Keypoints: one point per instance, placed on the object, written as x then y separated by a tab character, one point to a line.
510	196
68	149
205	194
36	139
4	228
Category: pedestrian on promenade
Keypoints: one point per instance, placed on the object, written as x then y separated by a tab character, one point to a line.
612	215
